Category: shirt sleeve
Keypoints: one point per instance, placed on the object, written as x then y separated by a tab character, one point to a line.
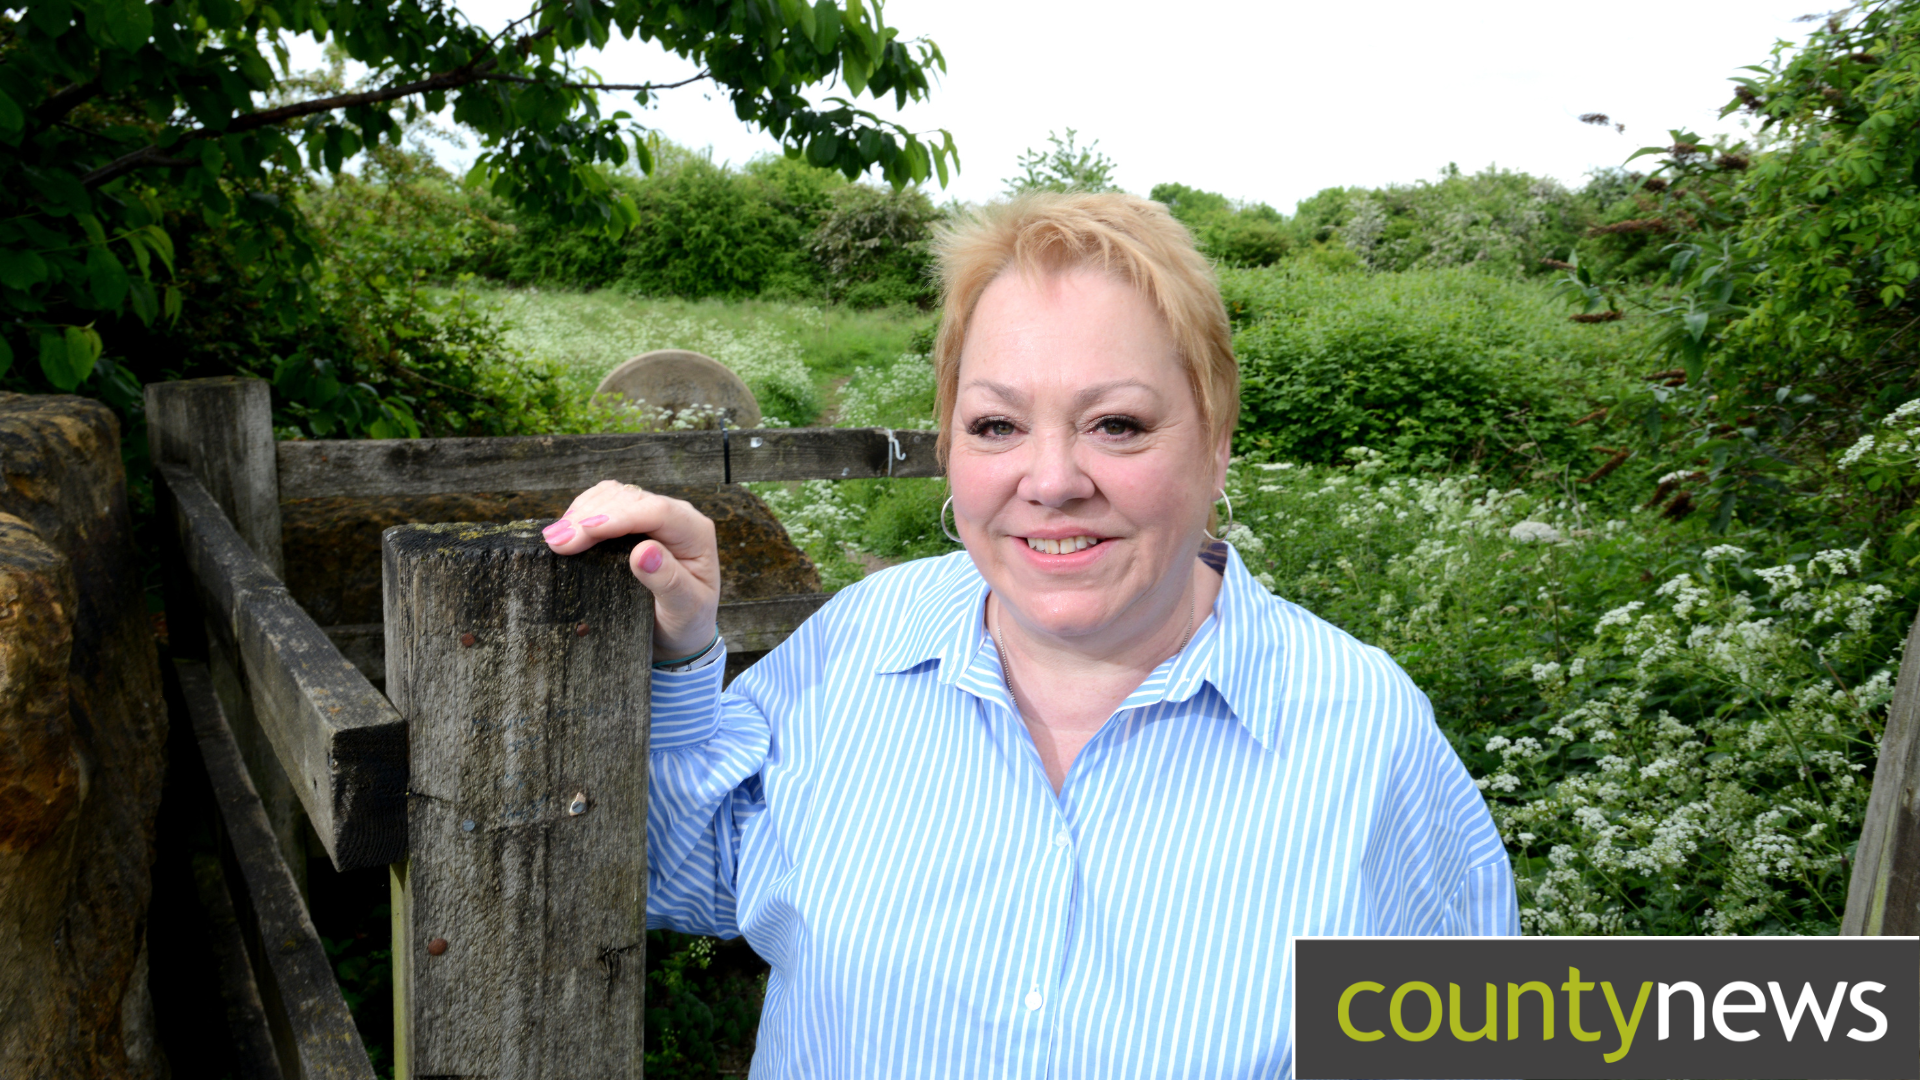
705	752
1437	860
1486	904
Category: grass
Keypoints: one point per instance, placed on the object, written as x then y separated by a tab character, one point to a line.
795	357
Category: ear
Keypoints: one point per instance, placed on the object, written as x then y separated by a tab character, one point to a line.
1222	455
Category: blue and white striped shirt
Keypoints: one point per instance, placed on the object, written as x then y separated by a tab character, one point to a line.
865	806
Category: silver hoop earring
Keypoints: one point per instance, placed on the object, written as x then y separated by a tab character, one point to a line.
943	522
1229	525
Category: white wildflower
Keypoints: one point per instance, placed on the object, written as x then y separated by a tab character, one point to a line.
1857	451
1619	616
1839	561
1527	532
1780	579
1243	539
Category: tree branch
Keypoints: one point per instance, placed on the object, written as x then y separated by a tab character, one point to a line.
63	102
634	87
479	71
152	155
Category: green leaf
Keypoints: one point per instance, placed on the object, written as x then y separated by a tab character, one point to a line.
800	16
822	149
10	116
53	17
106	278
21	269
83	348
129	22
162	244
826	25
54	362
330	148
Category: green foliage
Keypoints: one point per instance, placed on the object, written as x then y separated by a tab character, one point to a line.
123	126
1234	235
1495	220
365	975
873	246
1841	109
703	1005
585	336
1772	278
849	527
1434	368
701	230
1675	737
1066	167
392	359
778	228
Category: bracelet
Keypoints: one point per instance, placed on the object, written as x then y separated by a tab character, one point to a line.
690	659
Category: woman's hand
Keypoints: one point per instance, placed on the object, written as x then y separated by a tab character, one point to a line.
679	561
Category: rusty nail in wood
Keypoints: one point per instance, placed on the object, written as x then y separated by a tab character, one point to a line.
436	946
467	639
581	630
579	804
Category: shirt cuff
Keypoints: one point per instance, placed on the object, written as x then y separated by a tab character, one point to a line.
686	703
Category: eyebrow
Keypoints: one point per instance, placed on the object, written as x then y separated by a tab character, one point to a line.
1081	400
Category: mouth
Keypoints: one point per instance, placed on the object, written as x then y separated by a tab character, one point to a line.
1065	545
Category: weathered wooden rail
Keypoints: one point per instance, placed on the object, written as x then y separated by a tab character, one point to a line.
501	776
1883	897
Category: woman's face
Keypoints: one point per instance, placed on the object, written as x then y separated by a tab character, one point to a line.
1081	476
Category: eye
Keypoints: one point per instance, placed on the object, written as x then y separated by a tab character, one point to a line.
1116	426
992	427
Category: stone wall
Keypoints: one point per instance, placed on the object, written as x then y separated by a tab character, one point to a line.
82	730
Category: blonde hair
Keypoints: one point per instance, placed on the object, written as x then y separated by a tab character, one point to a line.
1133	239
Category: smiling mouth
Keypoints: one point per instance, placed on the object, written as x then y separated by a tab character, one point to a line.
1066	545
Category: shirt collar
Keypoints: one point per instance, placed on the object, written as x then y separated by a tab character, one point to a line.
1240	650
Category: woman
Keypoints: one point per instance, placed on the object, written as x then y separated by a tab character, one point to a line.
1054	805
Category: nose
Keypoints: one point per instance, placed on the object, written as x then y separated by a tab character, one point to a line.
1054	475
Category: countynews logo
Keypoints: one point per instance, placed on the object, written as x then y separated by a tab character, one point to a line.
1580	1008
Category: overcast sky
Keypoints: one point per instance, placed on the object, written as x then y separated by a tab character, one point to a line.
1273	101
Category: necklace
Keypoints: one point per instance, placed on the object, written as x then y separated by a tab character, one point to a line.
1006	669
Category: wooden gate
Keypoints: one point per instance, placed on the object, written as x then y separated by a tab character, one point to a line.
501	778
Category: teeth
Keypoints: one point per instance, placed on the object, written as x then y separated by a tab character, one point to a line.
1066	546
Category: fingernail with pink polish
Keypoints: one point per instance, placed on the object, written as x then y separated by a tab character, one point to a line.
651	560
560	537
562	524
597	519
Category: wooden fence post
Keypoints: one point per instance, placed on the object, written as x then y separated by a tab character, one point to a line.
1883	896
520	916
222	430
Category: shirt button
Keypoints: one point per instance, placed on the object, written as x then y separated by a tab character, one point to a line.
1033	1001
1062	840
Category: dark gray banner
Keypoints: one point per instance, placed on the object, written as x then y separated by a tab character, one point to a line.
1555	1008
